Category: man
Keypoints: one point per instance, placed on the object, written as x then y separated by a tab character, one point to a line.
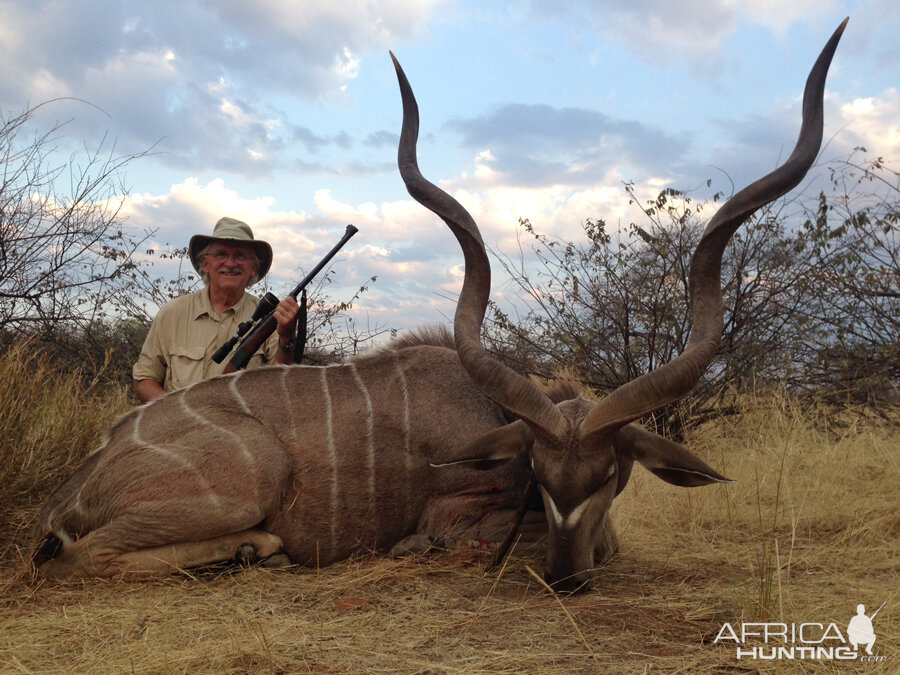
188	330
860	630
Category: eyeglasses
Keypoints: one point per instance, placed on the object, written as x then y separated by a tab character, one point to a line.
222	256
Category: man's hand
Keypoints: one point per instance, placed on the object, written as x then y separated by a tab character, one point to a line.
286	317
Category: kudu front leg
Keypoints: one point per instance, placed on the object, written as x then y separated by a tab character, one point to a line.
481	516
91	556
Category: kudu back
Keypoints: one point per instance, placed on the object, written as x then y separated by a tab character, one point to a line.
320	462
582	452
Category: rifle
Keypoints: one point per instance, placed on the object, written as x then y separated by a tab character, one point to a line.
872	618
264	319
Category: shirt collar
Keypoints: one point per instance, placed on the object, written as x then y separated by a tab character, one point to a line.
201	304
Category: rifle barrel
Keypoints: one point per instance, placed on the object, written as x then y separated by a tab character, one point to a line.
878	610
267	324
349	232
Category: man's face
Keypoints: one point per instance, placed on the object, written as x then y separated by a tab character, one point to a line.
229	265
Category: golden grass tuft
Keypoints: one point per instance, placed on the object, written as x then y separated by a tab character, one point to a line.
808	530
49	421
48	418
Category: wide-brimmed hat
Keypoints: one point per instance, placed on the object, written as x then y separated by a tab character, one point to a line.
231	230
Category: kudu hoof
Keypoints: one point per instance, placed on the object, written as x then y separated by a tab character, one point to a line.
414	544
276	562
246	555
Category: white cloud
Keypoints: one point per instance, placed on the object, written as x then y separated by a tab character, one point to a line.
239	118
414	255
208	84
336	210
190	208
692	28
780	15
874	122
45	86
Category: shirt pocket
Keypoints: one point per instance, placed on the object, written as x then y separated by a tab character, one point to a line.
187	365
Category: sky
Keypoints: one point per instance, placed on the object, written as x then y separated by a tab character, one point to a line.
286	114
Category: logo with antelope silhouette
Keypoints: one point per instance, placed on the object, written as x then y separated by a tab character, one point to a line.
807	641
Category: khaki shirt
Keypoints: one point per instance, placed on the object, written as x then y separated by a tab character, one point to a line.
186	333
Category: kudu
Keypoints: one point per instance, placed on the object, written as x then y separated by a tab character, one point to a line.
320	462
581	452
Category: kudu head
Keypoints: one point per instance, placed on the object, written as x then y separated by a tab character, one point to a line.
582	452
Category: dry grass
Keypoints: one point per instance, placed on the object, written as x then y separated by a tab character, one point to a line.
49	421
809	531
48	418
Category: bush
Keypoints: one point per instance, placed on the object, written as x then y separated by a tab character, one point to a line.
811	291
65	256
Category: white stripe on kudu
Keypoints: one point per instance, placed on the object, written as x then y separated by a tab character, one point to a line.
288	403
239	442
171	454
332	457
237	395
404	390
370	432
165	452
564	522
407	439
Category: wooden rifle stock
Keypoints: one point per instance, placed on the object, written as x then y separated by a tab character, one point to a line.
251	344
268	324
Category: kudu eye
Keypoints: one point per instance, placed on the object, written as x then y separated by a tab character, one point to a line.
610	473
605	477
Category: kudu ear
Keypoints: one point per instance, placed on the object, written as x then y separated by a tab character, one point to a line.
507	442
670	461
